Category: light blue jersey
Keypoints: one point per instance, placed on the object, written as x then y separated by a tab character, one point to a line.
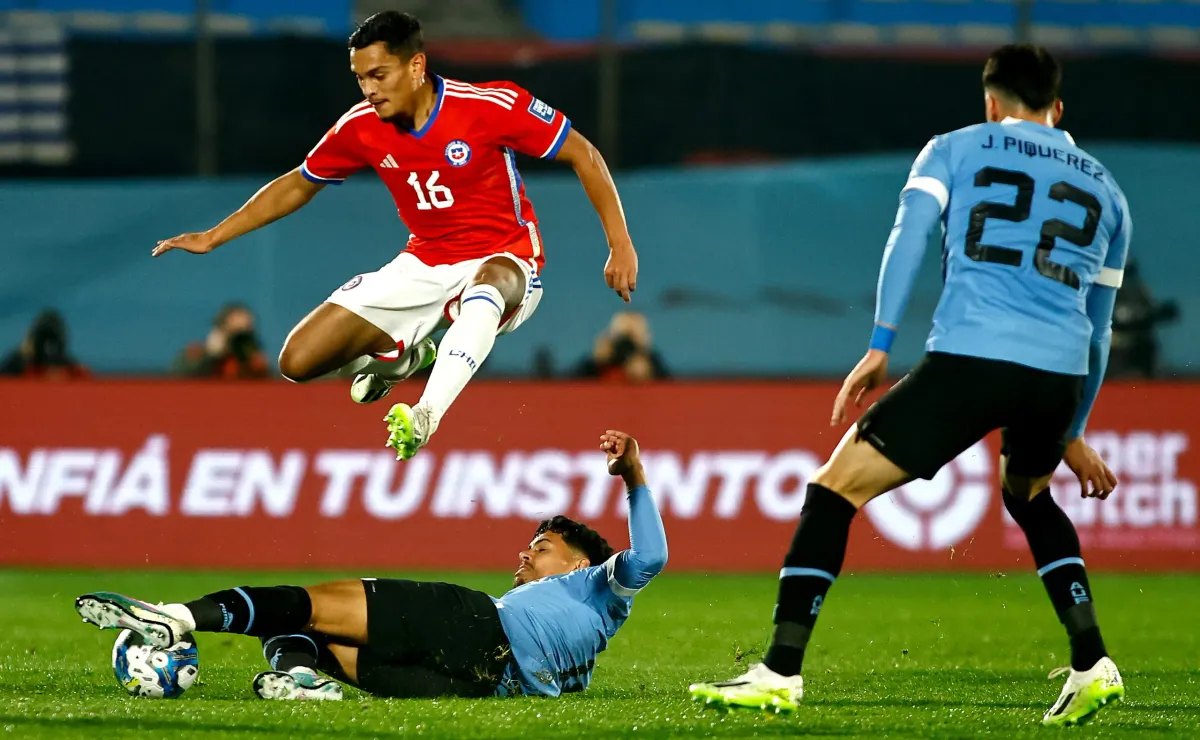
1036	233
559	624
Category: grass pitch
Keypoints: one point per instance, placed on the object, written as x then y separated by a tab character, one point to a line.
948	656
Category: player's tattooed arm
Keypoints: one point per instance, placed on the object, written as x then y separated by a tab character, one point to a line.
620	271
278	198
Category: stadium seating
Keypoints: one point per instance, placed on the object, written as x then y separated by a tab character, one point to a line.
236	17
1161	24
1104	23
33	95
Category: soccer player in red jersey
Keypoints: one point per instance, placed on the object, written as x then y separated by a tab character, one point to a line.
445	150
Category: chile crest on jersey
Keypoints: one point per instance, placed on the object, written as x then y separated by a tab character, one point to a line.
458	153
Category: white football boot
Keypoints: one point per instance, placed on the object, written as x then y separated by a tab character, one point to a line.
370	387
1085	693
110	611
298	684
759	688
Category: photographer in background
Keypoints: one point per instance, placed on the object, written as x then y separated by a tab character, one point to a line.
624	353
43	352
1134	352
231	350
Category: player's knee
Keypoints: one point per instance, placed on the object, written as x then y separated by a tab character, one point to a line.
505	276
296	365
1022	502
1015	492
1014	503
1020	489
842	482
858	473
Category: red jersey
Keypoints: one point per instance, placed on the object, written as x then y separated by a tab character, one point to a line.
455	180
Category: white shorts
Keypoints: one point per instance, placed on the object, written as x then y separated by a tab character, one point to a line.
409	300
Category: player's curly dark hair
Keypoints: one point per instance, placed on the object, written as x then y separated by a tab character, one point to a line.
1025	72
578	536
400	31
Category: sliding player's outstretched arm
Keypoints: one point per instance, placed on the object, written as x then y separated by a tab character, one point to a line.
647	553
924	198
620	272
278	198
1095	478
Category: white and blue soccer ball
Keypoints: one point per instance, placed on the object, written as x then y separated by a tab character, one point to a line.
157	673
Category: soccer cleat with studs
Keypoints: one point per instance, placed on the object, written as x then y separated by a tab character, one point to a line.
110	611
296	685
759	689
1085	693
409	429
371	387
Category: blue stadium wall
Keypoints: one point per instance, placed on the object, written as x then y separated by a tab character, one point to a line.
756	270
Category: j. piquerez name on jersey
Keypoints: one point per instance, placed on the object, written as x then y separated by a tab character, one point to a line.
1033	149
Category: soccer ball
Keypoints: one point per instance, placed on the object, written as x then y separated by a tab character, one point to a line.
157	673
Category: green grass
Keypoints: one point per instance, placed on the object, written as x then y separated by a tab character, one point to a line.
893	656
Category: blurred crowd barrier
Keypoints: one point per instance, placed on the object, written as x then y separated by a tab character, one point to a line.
152	474
765	270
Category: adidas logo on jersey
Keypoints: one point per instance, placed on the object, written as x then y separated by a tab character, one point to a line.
389	163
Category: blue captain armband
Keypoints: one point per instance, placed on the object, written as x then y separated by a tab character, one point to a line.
882	338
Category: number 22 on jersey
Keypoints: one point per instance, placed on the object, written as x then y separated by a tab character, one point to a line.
430	195
1052	230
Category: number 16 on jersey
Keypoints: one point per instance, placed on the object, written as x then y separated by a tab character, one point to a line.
430	195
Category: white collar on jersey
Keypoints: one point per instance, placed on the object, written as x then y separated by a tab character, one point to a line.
1009	121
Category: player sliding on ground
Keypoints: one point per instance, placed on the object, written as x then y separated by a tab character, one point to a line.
444	149
1036	233
402	638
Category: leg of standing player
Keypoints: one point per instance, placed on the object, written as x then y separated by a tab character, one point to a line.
495	292
923	422
855	474
1032	449
1059	559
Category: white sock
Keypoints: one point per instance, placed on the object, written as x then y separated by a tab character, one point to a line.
464	348
182	613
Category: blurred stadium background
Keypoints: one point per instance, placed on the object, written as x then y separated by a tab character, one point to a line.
759	147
